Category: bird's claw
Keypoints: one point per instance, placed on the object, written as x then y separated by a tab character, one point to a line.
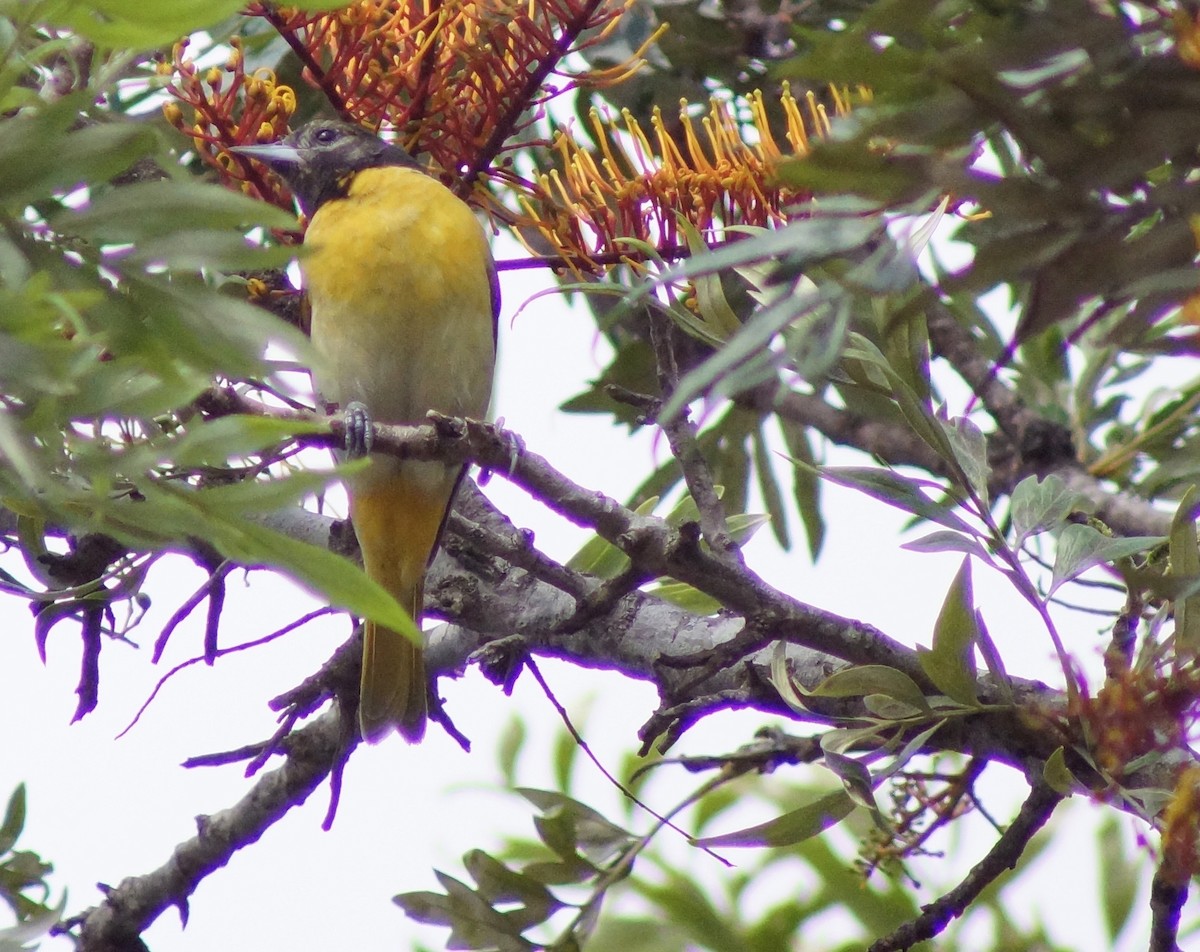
359	434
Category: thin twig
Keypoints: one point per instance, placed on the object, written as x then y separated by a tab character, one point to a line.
591	755
1004	855
278	633
681	435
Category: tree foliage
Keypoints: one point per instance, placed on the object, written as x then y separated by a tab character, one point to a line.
752	257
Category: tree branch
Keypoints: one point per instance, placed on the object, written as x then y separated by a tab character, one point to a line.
1034	813
129	909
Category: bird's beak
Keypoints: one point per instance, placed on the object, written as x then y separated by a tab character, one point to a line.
275	156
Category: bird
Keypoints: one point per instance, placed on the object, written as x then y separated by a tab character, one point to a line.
404	300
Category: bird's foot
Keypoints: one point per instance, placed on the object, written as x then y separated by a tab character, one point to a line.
359	435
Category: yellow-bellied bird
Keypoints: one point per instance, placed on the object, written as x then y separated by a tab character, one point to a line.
403	296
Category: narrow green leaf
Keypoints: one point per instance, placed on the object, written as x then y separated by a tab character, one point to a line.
157	209
768	485
216	442
509	747
847	738
781	680
943	540
40	154
14	819
135	25
991	658
719	317
331	576
806	484
913	407
748	343
790	828
950	664
802	241
601	558
902	492
16	938
817	338
1185	562
686	596
1120	881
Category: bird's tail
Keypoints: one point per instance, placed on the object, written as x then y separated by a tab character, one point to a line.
397	523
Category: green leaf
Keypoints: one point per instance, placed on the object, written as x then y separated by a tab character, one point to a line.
36	926
817	338
991	658
861	680
330	576
41	154
902	492
847	738
769	487
680	900
913	407
748	344
1120	880
500	885
508	749
1058	775
167	208
802	241
217	442
950	664
1081	547
792	827
944	540
806	484
475	923
591	833
855	777
1040	505
686	596
970	452
1185	562
601	558
781	679
14	819
719	317
424	906
136	25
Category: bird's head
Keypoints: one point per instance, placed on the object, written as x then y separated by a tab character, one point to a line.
317	159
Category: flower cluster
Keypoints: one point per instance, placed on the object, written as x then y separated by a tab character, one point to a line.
228	106
631	185
1137	712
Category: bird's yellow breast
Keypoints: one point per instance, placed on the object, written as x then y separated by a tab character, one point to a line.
398	277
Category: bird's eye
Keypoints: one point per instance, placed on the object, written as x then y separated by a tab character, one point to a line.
325	135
